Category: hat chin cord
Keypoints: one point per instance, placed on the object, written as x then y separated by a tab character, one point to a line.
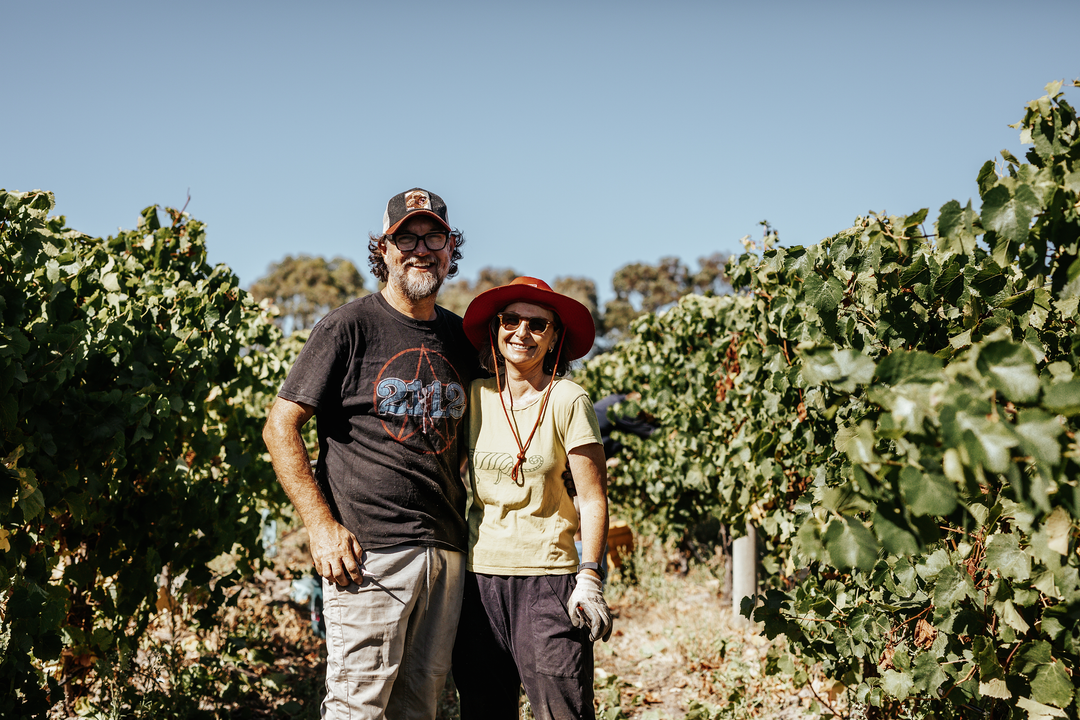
522	447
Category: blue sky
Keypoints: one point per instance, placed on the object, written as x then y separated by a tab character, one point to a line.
568	138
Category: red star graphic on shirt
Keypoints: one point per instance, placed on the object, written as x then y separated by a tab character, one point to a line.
420	399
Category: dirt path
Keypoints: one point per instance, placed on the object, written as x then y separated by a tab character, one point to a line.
678	651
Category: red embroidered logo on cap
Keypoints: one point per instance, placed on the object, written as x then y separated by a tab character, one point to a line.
417	200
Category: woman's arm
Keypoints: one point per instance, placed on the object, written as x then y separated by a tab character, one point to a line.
590	478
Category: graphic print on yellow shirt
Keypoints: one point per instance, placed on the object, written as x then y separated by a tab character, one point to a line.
503	463
525	527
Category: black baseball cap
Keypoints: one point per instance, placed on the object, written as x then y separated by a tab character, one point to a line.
404	205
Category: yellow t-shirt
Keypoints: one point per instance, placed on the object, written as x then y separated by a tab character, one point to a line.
525	527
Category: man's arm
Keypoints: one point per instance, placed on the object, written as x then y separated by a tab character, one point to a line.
335	551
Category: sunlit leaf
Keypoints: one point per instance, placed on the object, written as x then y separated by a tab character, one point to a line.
823	294
1009	213
1063	397
1011	369
1052	685
850	544
898	684
1038	711
1004	555
952	586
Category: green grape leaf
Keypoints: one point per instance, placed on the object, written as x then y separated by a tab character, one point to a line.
926	493
927	674
956	228
1031	656
1063	398
1038	711
895	534
823	294
897	684
1011	369
1039	435
844	369
1008	613
1009	214
951	586
1003	554
987	442
909	367
850	544
1052	685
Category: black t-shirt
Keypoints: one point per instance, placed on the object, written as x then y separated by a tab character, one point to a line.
390	393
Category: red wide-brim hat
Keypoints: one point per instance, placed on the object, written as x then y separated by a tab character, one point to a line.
577	322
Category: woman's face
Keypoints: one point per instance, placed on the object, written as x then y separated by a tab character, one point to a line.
522	346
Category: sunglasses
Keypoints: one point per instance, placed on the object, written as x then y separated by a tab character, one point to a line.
512	321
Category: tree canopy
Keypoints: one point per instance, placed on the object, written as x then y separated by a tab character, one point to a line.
641	288
304	288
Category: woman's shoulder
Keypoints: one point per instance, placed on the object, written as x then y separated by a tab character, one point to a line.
488	384
568	390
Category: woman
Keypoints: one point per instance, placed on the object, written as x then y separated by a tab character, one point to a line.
532	607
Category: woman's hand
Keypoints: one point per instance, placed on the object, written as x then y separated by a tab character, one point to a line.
588	607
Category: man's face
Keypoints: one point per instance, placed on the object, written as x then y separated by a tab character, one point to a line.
419	273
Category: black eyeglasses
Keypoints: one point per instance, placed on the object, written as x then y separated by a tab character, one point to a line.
512	321
406	242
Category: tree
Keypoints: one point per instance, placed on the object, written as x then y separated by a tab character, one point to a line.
583	290
641	288
457	295
304	288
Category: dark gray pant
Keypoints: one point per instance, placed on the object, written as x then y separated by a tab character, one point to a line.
515	631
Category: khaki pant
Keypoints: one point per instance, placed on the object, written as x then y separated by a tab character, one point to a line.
389	643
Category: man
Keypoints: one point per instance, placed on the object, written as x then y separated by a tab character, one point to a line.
387	378
638	425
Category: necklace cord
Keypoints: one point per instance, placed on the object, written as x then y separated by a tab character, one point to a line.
522	447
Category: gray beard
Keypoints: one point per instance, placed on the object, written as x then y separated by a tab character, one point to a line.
415	289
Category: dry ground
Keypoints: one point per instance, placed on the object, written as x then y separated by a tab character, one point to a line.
677	651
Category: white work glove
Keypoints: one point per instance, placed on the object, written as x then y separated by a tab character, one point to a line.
587	607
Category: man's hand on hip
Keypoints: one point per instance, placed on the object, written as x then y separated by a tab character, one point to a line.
336	553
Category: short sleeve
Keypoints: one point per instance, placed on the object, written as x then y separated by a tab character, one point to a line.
316	375
580	426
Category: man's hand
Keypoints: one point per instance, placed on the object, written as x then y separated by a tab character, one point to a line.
336	553
588	607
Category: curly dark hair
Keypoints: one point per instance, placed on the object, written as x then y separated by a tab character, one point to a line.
497	364
378	264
